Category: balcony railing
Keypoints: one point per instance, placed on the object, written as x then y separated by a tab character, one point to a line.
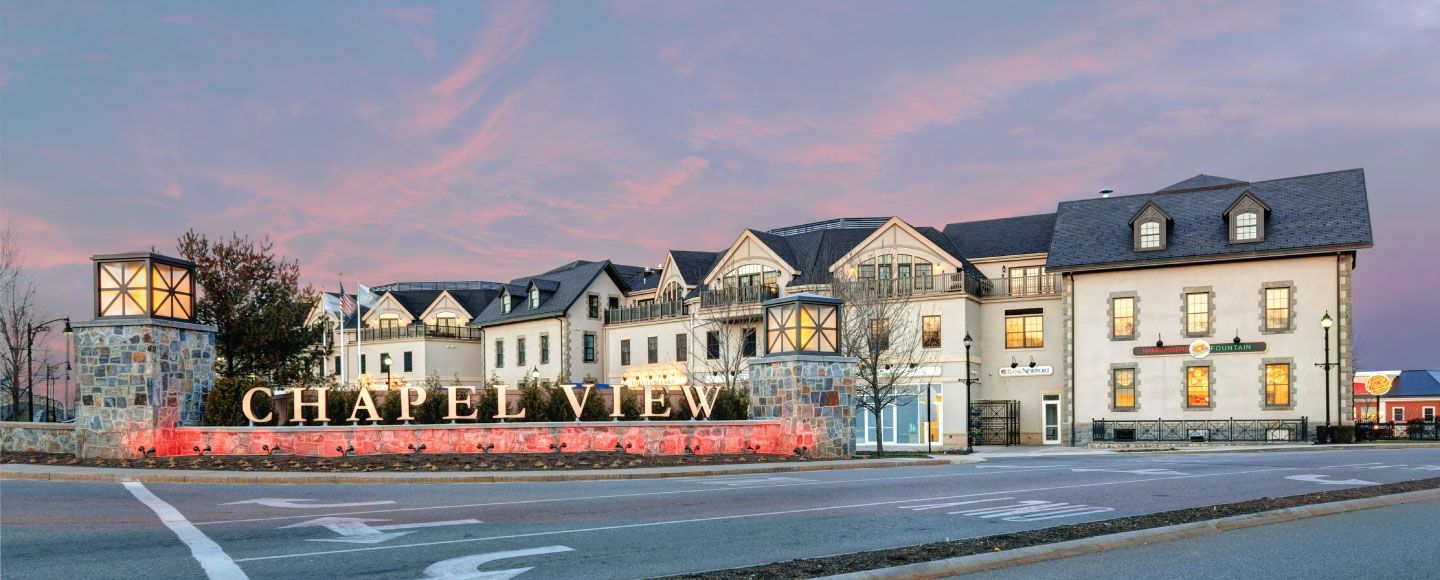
645	312
937	284
1202	431
1042	285
421	331
737	295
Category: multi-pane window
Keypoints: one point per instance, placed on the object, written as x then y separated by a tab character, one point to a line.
1149	235
652	349
1277	384
1025	331
499	353
747	341
446	321
1124	380
886	267
625	353
1197	313
389	321
930	331
879	334
712	344
544	349
520	351
1397	414
1122	320
1277	308
534	298
1197	386
1427	413
362	364
588	350
1247	227
1027	280
681	348
592	306
674	292
504	302
409	359
337	365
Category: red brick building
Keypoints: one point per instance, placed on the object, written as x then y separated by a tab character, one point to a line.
1413	395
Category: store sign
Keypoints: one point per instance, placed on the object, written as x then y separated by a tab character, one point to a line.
1027	371
1378	385
1201	349
700	400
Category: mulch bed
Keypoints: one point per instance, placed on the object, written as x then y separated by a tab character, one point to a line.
407	462
814	567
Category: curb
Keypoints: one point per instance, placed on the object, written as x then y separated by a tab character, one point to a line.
110	474
1326	447
1032	554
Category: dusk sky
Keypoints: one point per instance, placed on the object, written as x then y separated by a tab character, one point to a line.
486	141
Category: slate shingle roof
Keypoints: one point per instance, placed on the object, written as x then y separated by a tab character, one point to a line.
1202	181
415	301
475	301
692	265
1002	237
1324	210
638	278
570	281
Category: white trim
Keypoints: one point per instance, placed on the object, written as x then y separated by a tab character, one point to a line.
725	259
895	222
443	295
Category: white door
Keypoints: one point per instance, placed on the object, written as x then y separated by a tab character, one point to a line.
1052	419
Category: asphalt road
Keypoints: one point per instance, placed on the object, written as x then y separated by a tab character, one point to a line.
623	529
1394	542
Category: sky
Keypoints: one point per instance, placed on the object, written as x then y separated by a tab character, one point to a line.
469	140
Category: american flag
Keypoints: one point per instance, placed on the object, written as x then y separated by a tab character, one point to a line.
347	304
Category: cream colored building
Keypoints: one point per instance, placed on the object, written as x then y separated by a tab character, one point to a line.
1064	311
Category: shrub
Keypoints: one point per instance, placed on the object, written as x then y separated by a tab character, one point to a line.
533	400
222	403
390	408
338	405
629	405
731	404
487	403
433	409
1342	434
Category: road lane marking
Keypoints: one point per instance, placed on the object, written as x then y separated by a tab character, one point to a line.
739	516
754	481
294	503
1135	471
1317	478
212	559
359	530
932	506
465	567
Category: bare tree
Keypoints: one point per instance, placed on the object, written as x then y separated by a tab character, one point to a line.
719	335
880	327
18	312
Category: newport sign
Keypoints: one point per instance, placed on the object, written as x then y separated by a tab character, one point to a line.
700	400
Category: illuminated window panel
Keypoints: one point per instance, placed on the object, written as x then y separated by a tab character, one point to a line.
797	326
1124	389
122	289
144	284
1197	386
1277	384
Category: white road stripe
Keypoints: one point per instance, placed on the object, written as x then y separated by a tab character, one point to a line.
216	563
737	516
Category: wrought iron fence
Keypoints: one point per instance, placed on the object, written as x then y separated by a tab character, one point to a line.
421	331
645	312
1202	431
1407	430
738	295
996	422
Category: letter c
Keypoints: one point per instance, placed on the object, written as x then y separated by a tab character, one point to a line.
245	404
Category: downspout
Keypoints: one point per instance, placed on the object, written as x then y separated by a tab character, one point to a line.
1070	372
1340	344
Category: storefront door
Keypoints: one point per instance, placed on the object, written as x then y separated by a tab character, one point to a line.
1052	419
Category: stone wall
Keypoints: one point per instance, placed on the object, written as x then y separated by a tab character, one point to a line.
812	397
38	437
139	375
639	437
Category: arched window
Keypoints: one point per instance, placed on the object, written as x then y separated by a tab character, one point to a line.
751	275
895	266
674	292
1246	226
504	302
1149	235
534	298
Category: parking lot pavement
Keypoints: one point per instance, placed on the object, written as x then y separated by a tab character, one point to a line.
635	528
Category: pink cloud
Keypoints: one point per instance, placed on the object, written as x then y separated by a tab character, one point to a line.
663	187
497	46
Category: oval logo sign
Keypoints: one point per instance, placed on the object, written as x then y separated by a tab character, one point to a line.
1378	385
1200	348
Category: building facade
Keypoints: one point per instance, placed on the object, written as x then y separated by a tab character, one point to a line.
1201	301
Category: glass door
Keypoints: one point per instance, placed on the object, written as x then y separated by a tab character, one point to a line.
1052	419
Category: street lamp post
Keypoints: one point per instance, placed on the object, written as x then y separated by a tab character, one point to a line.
969	420
1326	322
389	375
30	332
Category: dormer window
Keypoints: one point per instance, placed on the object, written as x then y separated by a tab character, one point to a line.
1150	235
1246	229
504	302
1246	218
1149	226
534	298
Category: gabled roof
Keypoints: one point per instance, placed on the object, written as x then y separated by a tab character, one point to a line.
1148	206
1321	212
778	244
570	280
1244	195
415	301
1202	181
1423	383
820	248
1013	236
692	265
637	278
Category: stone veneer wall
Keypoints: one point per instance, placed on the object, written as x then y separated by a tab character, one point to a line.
136	376
812	396
641	437
38	437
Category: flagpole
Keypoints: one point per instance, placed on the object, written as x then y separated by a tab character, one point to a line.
359	314
344	368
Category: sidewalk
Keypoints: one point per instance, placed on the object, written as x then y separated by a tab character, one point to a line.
72	473
999	452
